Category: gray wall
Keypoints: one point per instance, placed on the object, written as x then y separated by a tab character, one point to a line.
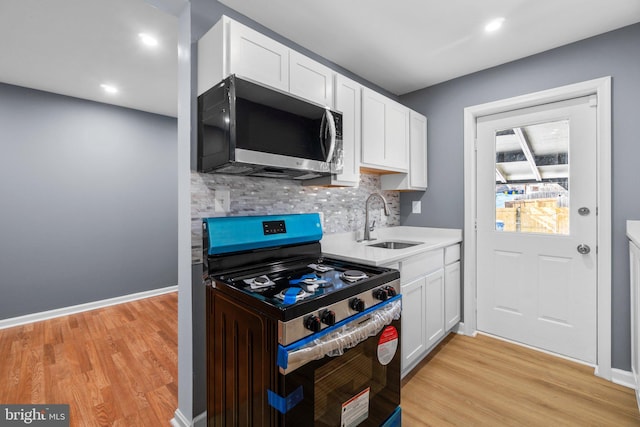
89	195
615	54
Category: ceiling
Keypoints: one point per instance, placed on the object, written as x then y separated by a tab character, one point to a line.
533	153
73	46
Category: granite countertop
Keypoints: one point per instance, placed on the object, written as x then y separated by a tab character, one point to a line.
345	246
633	232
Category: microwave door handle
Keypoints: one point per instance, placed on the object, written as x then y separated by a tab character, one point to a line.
332	133
323	134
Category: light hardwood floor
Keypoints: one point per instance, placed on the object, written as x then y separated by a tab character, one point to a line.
483	381
117	366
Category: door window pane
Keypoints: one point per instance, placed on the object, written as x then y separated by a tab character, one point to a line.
532	178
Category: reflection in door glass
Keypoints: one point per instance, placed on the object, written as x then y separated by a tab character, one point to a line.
532	178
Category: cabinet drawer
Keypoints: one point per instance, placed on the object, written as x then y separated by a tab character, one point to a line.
451	254
420	265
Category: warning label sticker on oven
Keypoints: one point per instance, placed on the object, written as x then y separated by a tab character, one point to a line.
356	409
387	345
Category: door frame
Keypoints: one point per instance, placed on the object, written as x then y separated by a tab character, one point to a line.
602	89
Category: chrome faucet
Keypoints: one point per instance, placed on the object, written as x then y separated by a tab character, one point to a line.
367	229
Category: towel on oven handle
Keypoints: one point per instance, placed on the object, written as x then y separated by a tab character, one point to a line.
340	337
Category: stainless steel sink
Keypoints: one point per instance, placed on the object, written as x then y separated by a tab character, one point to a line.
394	245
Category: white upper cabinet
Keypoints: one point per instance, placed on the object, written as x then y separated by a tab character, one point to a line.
416	178
257	57
348	102
373	134
385	133
379	134
310	80
232	48
396	135
418	151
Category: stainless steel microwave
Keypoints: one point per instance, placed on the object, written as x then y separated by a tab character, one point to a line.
245	128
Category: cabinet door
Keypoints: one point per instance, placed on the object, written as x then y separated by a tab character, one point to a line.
373	133
434	306
452	295
418	149
348	101
257	57
396	135
413	322
310	80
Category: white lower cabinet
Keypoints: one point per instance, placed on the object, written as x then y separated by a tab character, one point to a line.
430	286
452	294
434	306
414	325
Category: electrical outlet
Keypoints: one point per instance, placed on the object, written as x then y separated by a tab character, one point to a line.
222	201
416	206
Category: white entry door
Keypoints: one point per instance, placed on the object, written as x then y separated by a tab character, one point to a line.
536	227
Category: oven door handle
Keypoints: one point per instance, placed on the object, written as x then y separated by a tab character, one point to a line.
340	337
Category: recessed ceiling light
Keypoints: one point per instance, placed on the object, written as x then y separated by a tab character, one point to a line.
148	39
494	25
109	88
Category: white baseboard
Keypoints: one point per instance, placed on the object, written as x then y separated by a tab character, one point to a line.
461	330
179	420
623	378
65	311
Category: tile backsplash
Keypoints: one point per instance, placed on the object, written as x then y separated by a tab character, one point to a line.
342	209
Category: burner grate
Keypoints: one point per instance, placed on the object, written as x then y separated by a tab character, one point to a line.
353	275
292	295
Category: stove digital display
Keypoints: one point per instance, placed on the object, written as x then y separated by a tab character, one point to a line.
274	227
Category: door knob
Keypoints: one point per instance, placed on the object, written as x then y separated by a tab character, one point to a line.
584	211
583	249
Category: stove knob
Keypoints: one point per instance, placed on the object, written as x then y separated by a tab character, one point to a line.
313	323
357	304
381	294
329	317
391	291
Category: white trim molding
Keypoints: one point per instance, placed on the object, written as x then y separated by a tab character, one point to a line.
179	420
65	311
623	378
602	89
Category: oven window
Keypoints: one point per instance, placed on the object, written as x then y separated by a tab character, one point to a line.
354	387
342	378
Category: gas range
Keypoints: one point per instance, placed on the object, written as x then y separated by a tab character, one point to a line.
293	337
309	294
